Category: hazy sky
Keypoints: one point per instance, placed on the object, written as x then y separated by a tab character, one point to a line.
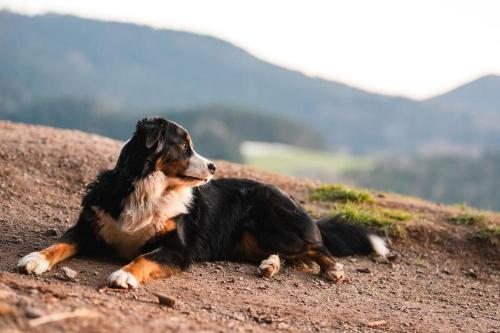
414	48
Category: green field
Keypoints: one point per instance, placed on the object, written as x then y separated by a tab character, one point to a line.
302	162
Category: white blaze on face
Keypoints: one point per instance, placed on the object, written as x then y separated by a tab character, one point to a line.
198	167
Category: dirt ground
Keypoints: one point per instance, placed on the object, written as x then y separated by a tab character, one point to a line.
439	281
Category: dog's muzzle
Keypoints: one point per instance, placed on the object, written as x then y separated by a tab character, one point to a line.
200	168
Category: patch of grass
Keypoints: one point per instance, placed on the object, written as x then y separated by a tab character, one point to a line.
397	215
420	262
467	218
385	220
301	162
333	193
490	233
462	206
484	229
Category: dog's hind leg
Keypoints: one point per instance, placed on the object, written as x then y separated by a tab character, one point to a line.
329	269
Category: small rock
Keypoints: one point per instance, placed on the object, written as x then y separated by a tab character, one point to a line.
376	323
67	274
238	316
446	271
32	312
34	292
208	307
393	257
51	232
363	270
166	300
17	240
471	273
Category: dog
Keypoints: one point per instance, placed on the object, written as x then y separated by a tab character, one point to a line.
160	208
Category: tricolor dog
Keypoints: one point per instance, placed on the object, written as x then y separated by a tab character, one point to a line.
160	208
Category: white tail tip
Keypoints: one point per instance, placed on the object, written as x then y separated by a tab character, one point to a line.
378	245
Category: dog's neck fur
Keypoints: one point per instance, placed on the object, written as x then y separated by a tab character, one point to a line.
145	211
152	203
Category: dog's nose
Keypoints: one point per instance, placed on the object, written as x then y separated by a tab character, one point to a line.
212	167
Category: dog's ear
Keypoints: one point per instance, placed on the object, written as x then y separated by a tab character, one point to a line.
152	129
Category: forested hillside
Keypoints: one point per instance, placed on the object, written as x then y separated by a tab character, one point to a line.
217	131
448	179
135	70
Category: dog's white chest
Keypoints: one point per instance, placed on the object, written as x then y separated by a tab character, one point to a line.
126	245
145	212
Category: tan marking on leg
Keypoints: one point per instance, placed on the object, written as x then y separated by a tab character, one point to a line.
42	261
59	251
145	270
324	261
329	269
270	266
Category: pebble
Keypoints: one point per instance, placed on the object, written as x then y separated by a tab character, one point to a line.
67	273
51	232
165	300
472	273
32	312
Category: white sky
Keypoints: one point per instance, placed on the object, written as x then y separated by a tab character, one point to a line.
414	48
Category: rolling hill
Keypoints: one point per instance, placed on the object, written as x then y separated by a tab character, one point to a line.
137	70
441	277
479	96
217	131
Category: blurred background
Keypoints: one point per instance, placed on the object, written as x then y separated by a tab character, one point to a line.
392	95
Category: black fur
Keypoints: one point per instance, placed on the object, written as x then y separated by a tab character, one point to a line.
228	219
343	239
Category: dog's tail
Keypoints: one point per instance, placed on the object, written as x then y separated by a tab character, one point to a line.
343	239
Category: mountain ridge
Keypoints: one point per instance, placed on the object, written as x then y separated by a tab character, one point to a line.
482	93
136	69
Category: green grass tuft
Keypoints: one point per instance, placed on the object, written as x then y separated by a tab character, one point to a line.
386	220
397	215
490	233
421	262
464	207
484	228
333	193
467	219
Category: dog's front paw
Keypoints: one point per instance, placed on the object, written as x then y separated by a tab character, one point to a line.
33	263
122	279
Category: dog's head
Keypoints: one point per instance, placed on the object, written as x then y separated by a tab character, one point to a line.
162	145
